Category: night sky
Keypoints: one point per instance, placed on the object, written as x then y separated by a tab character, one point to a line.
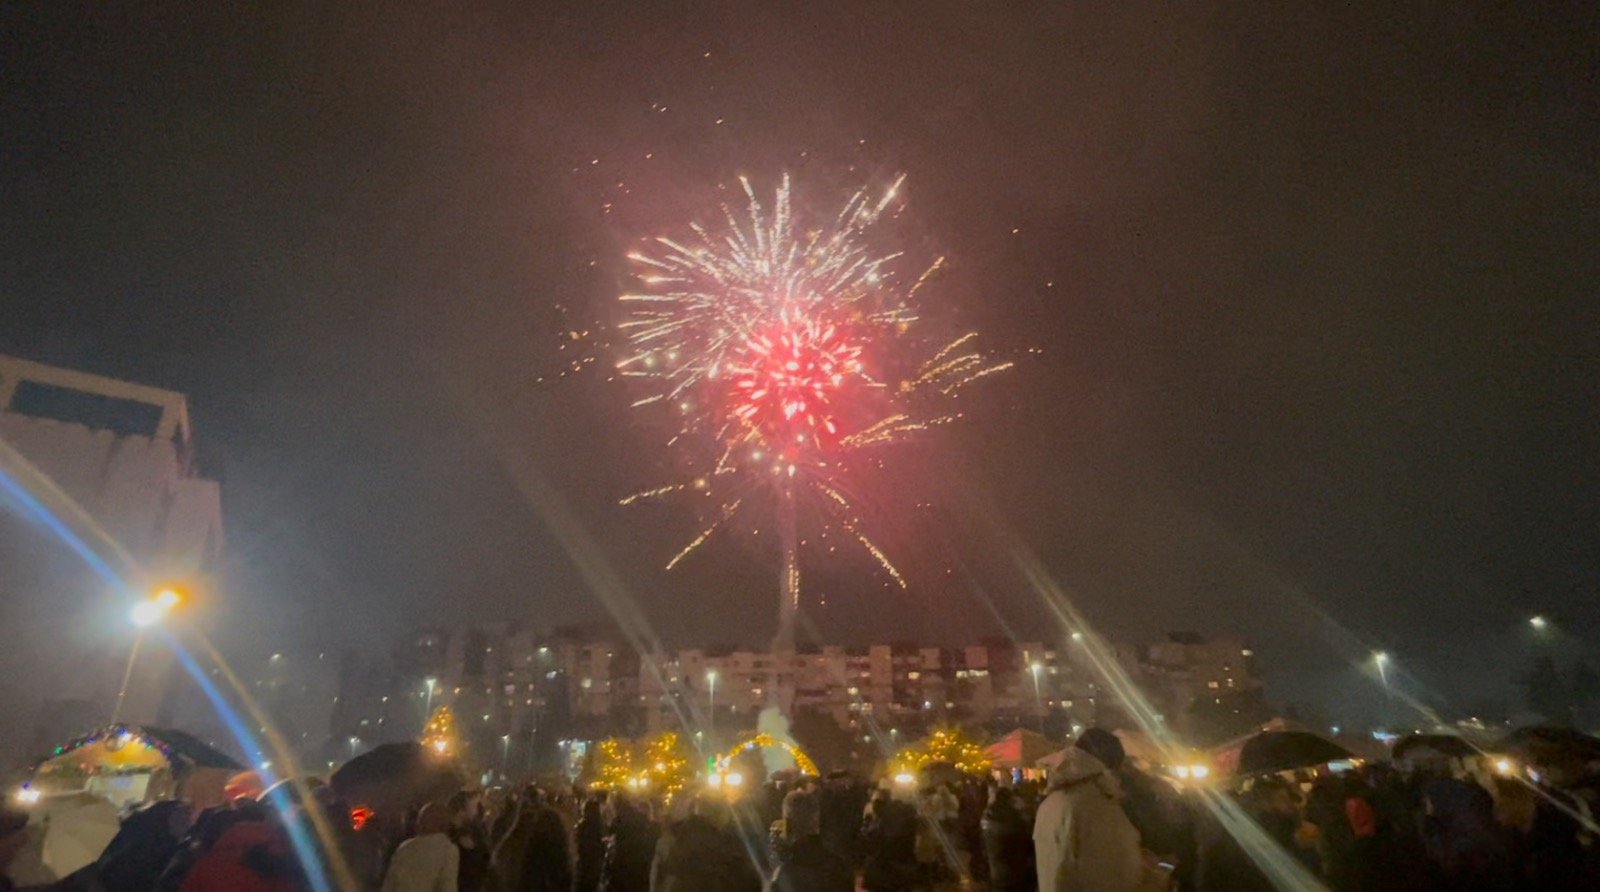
1314	291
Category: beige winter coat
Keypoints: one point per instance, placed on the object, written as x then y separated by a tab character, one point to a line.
1083	842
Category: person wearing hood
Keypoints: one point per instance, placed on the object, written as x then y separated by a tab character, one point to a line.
1083	841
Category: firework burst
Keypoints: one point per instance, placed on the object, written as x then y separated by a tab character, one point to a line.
787	349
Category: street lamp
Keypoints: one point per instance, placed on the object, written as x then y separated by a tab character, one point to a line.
1380	659
711	687
427	711
354	742
505	754
144	614
1538	622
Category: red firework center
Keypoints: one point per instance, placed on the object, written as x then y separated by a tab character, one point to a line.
786	383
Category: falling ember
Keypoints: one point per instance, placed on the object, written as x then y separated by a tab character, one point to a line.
776	338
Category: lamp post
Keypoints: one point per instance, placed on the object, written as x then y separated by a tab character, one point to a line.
505	755
144	614
427	710
1038	700
1380	659
354	742
711	687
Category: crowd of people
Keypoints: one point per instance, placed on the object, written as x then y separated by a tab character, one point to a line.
1098	823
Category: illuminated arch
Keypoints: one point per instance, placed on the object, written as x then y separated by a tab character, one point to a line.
767	741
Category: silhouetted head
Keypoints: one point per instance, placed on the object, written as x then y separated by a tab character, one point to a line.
435	817
1103	745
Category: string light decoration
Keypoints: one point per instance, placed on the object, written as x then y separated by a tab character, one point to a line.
439	734
659	765
666	763
613	765
115	739
949	745
764	740
120	735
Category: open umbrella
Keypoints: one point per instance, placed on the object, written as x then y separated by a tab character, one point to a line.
1273	751
394	777
66	833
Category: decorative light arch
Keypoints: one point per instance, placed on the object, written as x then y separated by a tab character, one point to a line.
764	740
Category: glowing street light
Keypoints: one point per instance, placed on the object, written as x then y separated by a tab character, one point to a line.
143	615
427	710
505	753
354	742
155	608
1538	622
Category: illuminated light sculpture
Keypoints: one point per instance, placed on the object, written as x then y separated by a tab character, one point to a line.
787	350
764	740
439	734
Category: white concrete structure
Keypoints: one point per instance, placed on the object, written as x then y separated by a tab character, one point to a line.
113	464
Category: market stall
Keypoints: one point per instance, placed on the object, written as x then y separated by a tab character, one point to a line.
129	764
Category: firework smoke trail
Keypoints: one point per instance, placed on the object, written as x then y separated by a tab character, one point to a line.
785	347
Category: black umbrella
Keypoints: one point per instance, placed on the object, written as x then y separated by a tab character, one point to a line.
1447	745
396	775
1273	751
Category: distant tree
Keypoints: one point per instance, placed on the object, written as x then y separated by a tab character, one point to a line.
1548	693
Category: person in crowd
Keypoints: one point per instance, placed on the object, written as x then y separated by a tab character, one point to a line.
1562	851
429	861
145	843
546	864
974	796
809	865
630	847
1225	865
1082	838
252	855
889	844
1158	812
591	841
512	833
203	834
469	832
698	852
937	836
1007	844
1467	849
842	800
